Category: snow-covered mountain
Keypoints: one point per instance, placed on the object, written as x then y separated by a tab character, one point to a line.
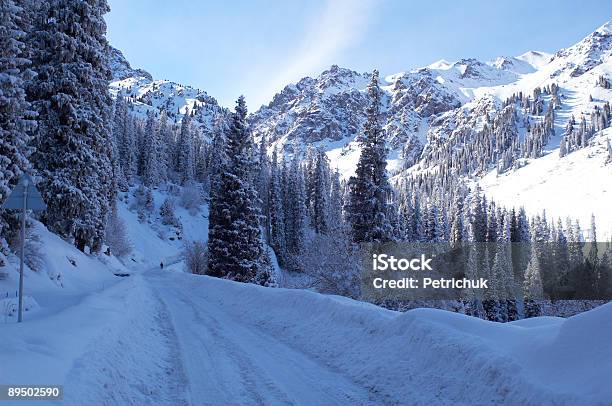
331	107
147	94
445	106
430	112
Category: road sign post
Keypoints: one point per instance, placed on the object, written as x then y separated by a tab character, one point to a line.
25	196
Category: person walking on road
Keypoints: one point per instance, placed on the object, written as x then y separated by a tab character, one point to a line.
161	265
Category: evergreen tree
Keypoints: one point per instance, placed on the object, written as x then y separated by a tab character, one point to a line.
335	218
320	192
560	256
593	253
431	224
263	183
532	285
15	112
276	214
216	153
124	129
235	244
150	161
164	140
369	190
295	209
456	233
477	224
184	151
73	139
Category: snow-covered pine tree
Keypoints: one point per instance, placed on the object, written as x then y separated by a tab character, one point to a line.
276	219
457	228
369	190
560	256
184	151
150	160
532	285
593	255
442	230
431	223
164	143
235	245
124	132
118	129
216	158
320	193
73	139
15	112
477	224
504	255
575	243
335	218
118	175
200	152
295	210
262	183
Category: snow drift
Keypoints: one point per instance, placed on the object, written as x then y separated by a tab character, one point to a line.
428	354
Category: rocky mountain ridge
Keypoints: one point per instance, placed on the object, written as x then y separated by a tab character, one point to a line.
427	112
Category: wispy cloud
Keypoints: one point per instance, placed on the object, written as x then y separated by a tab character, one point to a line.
339	25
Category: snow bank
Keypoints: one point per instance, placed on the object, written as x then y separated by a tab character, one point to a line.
113	348
448	356
65	276
9	306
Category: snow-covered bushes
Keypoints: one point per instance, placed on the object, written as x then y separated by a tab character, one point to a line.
33	256
191	199
332	264
116	236
166	211
143	199
196	257
143	202
3	259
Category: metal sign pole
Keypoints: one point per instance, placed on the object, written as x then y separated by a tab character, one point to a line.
23	237
25	196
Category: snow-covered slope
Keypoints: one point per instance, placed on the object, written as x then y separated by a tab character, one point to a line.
56	276
579	184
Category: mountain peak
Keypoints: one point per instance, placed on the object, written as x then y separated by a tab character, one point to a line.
605	29
537	59
587	53
121	68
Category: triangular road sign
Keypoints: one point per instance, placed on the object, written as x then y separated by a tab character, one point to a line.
34	199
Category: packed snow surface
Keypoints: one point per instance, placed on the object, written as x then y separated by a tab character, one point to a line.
167	337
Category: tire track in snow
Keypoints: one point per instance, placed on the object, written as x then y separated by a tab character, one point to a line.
241	364
135	362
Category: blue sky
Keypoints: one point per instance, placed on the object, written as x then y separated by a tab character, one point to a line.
257	47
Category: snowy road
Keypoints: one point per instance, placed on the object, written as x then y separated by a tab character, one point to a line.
171	338
229	361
